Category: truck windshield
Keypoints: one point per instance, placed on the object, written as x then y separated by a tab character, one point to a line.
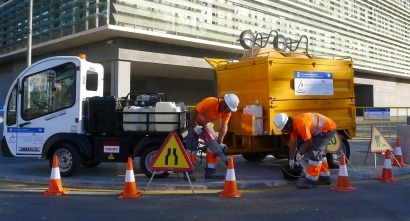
48	91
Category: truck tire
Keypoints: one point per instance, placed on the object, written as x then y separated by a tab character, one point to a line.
254	156
69	158
247	39
146	157
333	160
279	155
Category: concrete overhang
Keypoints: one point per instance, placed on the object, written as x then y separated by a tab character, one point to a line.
111	31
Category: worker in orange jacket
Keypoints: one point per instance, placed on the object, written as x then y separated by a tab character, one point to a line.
316	130
205	112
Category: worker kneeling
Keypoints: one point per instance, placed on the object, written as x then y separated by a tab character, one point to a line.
316	130
205	112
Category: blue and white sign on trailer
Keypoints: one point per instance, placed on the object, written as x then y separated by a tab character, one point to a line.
313	83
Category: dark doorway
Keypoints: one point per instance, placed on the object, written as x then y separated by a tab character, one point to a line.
364	97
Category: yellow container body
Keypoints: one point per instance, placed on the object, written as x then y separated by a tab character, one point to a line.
270	80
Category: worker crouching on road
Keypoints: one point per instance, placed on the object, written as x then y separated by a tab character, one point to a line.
205	112
316	130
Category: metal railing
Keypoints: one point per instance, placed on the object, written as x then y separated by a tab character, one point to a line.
385	119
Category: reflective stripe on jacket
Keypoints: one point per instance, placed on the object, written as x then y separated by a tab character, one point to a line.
310	124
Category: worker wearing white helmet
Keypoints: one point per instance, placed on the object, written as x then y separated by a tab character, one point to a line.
205	112
316	130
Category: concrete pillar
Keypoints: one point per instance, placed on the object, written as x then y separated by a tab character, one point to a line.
403	133
120	78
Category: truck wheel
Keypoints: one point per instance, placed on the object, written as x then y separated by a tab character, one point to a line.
333	160
247	39
146	157
254	156
279	155
68	159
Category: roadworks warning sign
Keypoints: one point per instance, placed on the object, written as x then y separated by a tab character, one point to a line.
378	144
171	156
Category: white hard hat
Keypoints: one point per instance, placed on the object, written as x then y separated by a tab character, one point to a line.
280	120
232	101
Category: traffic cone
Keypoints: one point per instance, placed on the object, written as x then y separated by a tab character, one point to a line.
130	187
55	187
343	179
230	189
387	173
398	162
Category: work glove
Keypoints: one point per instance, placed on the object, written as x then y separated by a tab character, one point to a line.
198	129
291	164
299	157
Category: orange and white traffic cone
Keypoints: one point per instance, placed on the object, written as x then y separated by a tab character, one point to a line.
398	162
343	179
230	189
55	188
130	187
387	173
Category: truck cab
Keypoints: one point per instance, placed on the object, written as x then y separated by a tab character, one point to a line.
44	100
56	107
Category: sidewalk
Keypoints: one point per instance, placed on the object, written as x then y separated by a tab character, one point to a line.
249	175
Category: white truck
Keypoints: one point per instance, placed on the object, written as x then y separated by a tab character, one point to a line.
56	107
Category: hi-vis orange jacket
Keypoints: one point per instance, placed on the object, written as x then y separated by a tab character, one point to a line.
208	111
310	124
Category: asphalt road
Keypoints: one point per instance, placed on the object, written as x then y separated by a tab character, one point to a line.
372	201
249	175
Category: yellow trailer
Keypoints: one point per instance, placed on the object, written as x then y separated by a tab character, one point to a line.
272	81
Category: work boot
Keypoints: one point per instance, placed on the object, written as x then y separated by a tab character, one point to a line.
305	185
191	177
210	174
323	181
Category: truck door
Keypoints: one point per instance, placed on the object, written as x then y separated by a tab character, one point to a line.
47	105
10	124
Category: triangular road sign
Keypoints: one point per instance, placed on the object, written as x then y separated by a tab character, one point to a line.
378	144
171	156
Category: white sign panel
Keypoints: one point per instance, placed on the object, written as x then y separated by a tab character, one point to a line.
313	83
111	149
111	146
30	139
377	113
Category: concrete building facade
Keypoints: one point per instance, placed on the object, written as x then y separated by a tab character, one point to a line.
160	45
